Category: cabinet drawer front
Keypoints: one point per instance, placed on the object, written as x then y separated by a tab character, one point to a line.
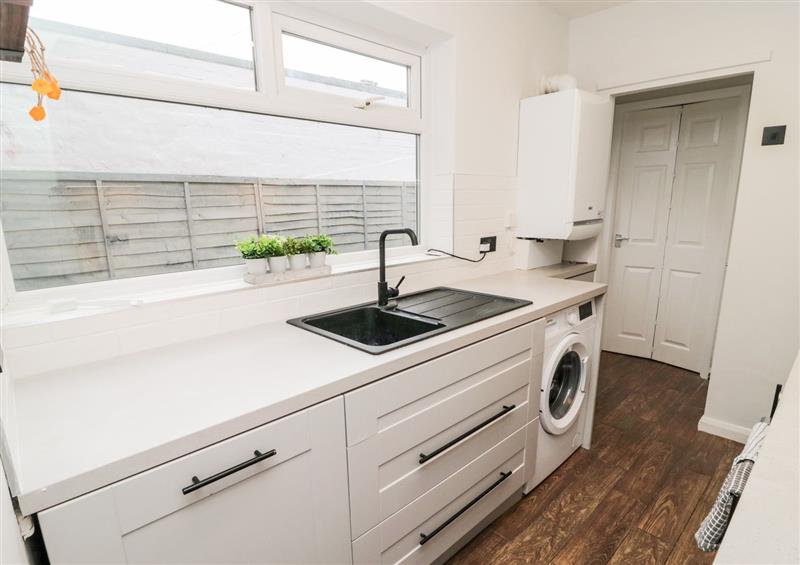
381	484
449	510
163	486
381	405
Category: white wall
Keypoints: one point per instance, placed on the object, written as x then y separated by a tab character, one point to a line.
499	51
502	50
639	46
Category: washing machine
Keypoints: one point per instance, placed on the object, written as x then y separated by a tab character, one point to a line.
566	378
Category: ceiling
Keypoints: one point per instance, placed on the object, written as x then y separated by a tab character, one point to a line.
577	8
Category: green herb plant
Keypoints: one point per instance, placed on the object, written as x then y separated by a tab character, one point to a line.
306	244
274	245
251	248
321	243
294	246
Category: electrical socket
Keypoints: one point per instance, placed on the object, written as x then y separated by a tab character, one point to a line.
491	242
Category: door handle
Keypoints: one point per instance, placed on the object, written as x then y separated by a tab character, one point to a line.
584	373
618	239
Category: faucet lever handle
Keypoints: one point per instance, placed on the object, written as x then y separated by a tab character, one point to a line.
400	282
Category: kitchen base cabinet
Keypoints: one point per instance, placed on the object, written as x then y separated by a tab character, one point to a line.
409	432
275	494
428	527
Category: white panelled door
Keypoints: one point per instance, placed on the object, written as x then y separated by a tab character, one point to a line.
677	191
703	199
649	145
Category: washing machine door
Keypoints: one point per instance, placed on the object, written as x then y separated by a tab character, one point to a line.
564	385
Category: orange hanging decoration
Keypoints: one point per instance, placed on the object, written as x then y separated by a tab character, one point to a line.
55	90
37	112
43	82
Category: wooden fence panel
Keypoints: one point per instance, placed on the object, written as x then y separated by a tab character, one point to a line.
53	232
221	213
342	215
289	209
83	227
147	227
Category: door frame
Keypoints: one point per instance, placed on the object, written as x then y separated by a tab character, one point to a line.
605	239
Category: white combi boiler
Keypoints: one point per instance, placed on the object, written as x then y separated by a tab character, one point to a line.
570	345
562	172
562	164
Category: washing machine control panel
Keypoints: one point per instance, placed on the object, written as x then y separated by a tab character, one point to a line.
567	319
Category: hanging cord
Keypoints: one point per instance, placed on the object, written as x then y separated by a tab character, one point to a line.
483	255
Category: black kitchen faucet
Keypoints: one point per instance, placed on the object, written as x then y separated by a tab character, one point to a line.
386	292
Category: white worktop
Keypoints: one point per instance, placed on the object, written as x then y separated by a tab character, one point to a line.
765	527
81	428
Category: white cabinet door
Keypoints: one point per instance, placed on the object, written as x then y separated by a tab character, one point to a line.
649	144
288	507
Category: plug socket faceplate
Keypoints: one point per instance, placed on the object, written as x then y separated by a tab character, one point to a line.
491	241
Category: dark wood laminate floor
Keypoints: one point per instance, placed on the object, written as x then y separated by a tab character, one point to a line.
637	496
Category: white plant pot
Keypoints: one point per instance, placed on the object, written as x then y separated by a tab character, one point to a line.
297	262
317	259
256	266
277	264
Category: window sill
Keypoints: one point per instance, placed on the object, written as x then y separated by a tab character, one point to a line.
58	310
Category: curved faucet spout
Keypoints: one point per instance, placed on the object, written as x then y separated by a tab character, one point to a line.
408	231
384	291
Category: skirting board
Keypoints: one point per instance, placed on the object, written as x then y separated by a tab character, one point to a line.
723	429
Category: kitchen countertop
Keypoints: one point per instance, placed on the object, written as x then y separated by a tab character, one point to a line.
81	428
765	525
565	270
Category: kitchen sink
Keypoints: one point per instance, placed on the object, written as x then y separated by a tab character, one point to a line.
414	317
371	325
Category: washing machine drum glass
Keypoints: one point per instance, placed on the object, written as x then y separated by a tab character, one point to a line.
565	384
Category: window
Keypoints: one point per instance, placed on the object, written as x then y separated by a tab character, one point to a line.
113	187
316	66
171	140
318	60
203	40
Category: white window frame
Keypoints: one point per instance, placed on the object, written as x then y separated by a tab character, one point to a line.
292	95
268	98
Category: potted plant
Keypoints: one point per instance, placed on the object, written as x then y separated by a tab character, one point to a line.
254	255
295	250
274	250
318	248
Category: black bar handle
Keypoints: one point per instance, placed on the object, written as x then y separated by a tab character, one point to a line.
424	457
425	538
197	483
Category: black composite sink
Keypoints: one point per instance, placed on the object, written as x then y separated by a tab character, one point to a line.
417	316
370	325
